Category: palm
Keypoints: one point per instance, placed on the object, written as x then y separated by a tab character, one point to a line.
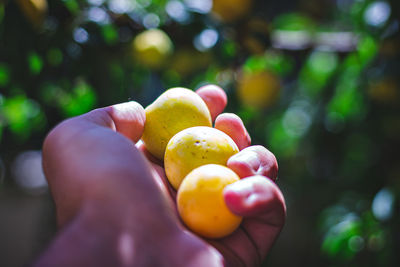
249	244
265	213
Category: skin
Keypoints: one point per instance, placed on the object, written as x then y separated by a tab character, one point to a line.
116	208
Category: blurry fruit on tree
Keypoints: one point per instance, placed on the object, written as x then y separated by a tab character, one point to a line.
259	89
257	34
173	111
384	91
182	61
152	48
201	203
34	10
231	10
194	147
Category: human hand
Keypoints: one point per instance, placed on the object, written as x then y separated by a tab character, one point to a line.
116	208
256	197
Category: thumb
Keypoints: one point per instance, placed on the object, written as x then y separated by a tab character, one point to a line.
129	118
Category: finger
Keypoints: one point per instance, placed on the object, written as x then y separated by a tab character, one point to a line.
215	98
141	146
233	126
262	204
158	169
253	196
129	119
254	160
163	182
126	118
80	153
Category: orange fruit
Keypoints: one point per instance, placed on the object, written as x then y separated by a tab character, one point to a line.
231	10
258	89
201	203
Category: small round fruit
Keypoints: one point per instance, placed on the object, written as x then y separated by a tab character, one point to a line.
258	89
231	10
34	10
194	147
152	48
173	111
201	203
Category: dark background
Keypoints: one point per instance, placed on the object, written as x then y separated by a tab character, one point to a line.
315	81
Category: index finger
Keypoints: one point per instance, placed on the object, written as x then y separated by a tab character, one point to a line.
214	97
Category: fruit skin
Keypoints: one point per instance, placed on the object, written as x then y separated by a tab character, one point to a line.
201	203
258	89
173	111
182	61
194	147
231	10
152	48
34	10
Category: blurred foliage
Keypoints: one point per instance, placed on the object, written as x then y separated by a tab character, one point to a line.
317	82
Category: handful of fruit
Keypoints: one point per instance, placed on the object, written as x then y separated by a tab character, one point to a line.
178	130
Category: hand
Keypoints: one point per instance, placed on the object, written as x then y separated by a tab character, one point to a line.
116	208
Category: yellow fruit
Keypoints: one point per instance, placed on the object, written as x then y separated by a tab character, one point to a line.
385	91
34	10
231	10
194	147
173	111
201	203
152	48
182	61
258	89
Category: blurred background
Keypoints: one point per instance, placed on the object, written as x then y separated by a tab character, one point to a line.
315	81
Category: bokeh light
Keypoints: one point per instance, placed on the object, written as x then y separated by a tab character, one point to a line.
177	11
121	6
377	13
151	21
383	204
200	6
316	82
28	173
81	35
98	15
206	39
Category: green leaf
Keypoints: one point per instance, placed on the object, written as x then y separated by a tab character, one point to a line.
110	34
293	22
278	62
229	49
54	56
337	242
4	75
367	49
72	5
81	100
255	64
35	63
282	143
317	71
22	115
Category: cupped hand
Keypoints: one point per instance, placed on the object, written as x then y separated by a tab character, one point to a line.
116	208
255	196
